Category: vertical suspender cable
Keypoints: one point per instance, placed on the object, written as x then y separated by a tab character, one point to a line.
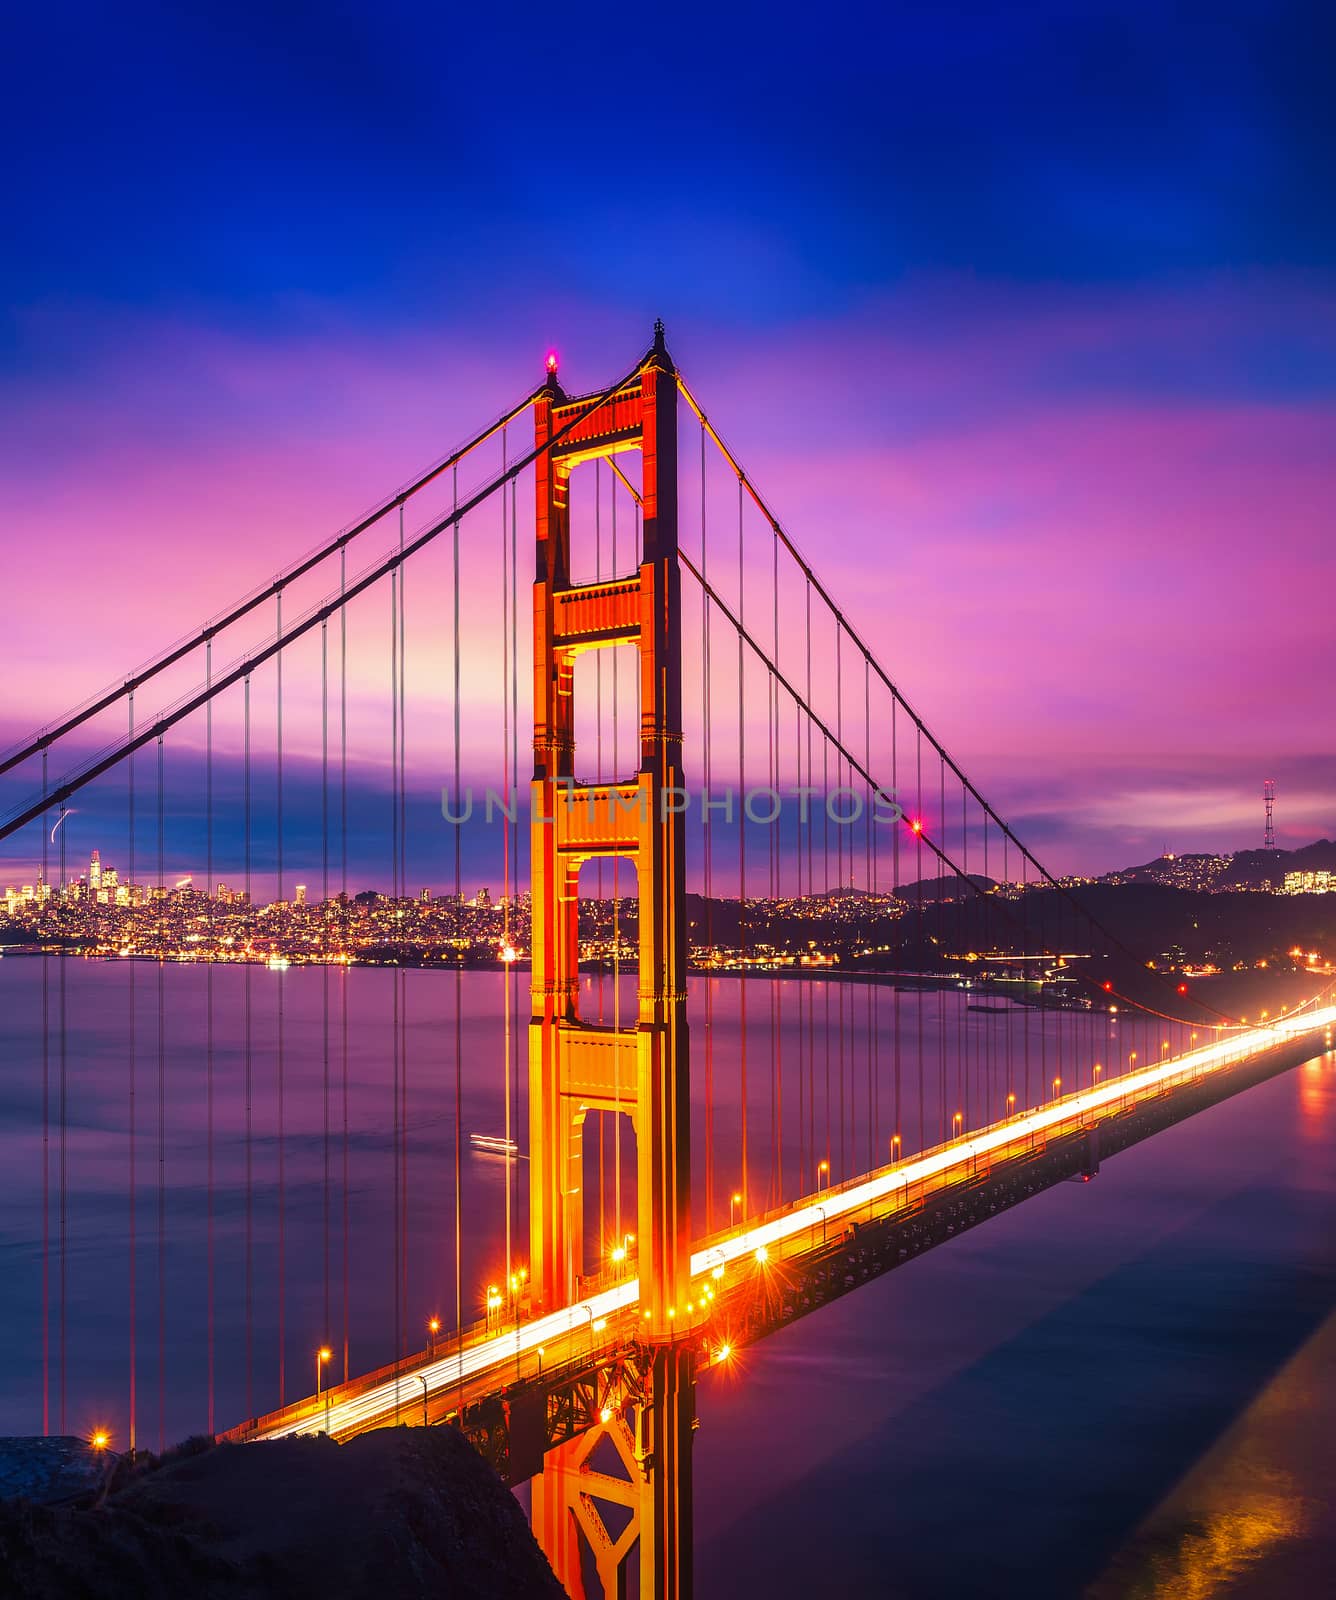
512	975
839	868
132	1287
707	850
804	1155
937	962
459	972
777	1066
825	908
162	1113
43	903
742	868
873	983
616	927
208	1006
64	1129
898	1054
282	1063
505	866
811	885
920	944
598	778
616	924
247	1055
346	933
401	971
397	954
326	1323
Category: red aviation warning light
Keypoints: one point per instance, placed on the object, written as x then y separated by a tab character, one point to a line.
552	362
1107	987
916	825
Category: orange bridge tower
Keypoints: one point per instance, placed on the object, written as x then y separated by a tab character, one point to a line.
576	1066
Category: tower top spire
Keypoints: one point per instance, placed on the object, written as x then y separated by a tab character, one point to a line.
658	355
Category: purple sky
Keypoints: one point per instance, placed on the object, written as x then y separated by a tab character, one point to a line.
1075	481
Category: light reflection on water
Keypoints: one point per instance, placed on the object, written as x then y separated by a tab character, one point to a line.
1116	1390
1121	1389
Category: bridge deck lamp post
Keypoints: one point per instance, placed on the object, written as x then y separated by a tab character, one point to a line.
322	1355
822	1175
734	1200
423	1382
433	1328
1011	1104
895	1148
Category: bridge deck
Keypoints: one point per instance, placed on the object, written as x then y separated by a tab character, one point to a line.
743	1281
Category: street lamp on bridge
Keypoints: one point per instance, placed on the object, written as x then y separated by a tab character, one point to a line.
322	1355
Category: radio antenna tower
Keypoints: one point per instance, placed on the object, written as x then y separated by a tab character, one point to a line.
1269	800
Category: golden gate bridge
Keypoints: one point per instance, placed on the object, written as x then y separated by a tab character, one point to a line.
686	661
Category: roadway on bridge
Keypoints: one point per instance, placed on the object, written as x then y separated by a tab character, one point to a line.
430	1386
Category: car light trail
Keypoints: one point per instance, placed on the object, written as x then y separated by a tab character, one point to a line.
439	1376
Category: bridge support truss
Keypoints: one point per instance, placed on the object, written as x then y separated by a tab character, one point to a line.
623	1488
574	1066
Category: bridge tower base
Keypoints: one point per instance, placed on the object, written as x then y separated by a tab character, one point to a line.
623	1492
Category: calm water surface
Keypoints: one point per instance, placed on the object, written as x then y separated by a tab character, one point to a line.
1122	1389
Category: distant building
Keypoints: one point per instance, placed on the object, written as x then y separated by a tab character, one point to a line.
1309	883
